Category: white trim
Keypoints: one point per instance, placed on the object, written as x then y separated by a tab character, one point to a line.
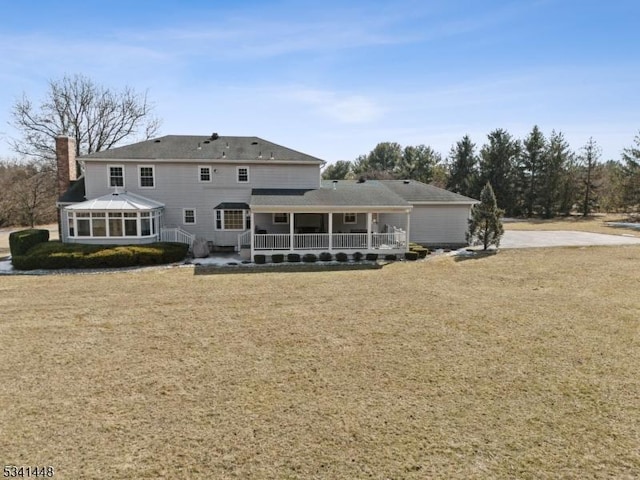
153	176
184	216
200	167
219	215
114	165
220	161
273	218
238	168
355	218
459	203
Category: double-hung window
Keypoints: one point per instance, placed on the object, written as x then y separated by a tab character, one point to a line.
189	216
204	174
242	174
147	176
280	218
116	175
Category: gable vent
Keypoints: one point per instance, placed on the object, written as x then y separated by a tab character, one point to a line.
157	140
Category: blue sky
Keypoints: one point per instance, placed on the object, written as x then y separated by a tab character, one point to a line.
334	78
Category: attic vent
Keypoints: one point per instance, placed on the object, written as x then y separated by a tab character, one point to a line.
157	140
207	141
406	182
254	143
214	136
362	180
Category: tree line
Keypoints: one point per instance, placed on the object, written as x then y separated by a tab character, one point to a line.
98	118
535	176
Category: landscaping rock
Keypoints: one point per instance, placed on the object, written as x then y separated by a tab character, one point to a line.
200	248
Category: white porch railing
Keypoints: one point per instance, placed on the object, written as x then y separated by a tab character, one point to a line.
244	239
320	241
176	234
272	241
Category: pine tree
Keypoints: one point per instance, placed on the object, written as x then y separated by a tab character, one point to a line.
553	175
463	168
631	189
485	223
589	158
498	167
417	163
530	167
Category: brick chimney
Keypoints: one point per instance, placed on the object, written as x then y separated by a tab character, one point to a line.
66	162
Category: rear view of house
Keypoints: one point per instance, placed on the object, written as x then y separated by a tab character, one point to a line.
245	192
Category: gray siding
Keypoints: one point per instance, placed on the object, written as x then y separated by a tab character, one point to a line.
439	224
177	186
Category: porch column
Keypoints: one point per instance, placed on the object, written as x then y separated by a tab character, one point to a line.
408	229
291	231
330	231
252	232
369	230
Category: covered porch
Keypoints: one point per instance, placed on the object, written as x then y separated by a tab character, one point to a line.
336	231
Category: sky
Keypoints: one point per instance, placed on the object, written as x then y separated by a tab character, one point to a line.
334	78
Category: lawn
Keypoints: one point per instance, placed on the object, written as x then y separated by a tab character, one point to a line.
522	364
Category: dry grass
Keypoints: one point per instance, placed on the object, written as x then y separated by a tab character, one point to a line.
595	224
517	365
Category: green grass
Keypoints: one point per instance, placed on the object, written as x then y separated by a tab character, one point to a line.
522	364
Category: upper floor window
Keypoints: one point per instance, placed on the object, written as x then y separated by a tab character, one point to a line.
243	174
147	176
204	174
116	175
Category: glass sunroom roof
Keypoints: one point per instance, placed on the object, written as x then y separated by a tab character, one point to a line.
117	201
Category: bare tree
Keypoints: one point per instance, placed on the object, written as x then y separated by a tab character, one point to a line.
97	117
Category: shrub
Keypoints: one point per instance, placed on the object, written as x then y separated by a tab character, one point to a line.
342	257
260	259
56	255
411	255
326	257
421	251
277	258
372	257
293	257
309	258
20	242
357	256
390	257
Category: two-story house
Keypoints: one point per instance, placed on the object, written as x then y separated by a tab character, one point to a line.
247	192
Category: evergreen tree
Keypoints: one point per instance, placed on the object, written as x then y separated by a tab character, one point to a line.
485	223
418	163
553	174
498	167
337	171
463	168
631	169
384	157
589	158
529	169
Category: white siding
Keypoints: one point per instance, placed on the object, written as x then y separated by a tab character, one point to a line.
177	186
439	224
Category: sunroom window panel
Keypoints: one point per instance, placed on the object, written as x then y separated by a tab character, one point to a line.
84	227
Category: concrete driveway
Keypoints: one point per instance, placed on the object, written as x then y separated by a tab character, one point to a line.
561	238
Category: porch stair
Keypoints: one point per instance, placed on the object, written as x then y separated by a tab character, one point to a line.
177	235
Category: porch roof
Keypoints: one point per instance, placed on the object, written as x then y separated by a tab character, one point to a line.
117	201
231	206
339	194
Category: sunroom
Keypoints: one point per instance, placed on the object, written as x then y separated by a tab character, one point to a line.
115	218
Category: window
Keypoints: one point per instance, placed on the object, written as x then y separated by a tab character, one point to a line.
204	174
281	218
147	179
116	175
112	224
189	216
243	174
230	220
350	218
